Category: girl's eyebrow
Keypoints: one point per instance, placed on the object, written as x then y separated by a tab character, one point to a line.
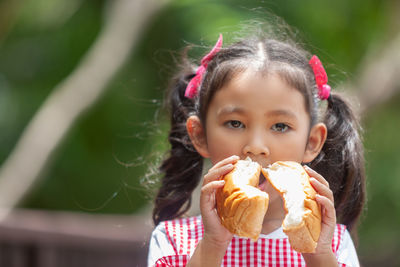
272	113
281	112
230	110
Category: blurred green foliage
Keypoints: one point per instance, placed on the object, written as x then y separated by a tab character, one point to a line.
101	165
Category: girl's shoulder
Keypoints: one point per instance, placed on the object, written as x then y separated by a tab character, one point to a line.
182	234
176	226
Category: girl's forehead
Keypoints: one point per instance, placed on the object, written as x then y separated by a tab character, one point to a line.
252	91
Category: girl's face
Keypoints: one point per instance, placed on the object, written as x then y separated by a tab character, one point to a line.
260	117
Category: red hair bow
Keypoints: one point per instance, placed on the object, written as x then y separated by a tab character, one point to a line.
321	78
194	84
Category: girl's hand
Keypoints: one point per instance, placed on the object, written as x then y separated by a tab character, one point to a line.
211	249
325	199
214	232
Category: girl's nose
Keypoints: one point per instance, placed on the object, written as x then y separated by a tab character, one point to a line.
255	146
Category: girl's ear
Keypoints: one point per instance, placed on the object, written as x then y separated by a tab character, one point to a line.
197	135
316	141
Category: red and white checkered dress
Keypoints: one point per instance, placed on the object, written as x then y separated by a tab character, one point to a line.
173	242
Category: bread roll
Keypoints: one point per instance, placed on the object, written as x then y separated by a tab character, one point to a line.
302	223
241	205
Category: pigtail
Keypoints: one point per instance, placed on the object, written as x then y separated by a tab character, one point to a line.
341	161
183	167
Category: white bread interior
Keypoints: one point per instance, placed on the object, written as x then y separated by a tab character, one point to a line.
302	223
241	205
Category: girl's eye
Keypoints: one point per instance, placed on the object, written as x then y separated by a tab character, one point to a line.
234	124
280	127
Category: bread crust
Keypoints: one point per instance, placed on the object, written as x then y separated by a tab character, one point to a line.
302	237
240	205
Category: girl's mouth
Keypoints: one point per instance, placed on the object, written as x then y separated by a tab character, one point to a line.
262	182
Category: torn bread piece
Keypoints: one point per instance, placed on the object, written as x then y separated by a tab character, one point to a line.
302	223
241	205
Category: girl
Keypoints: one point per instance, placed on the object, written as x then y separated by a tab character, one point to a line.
264	99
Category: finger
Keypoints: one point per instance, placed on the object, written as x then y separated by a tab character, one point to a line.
329	213
231	160
208	192
211	186
316	175
216	174
321	188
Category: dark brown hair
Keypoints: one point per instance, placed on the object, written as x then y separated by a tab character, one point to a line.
341	160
